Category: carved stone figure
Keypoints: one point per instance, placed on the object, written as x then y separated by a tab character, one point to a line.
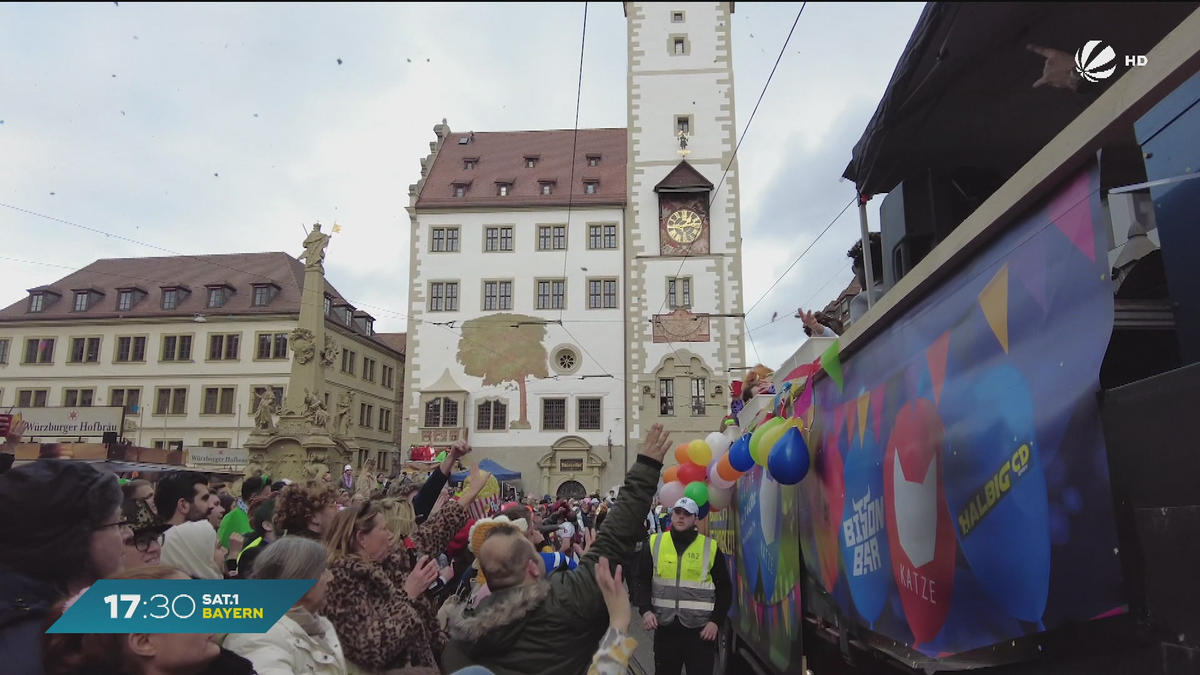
264	416
315	411
301	341
316	467
342	425
314	248
332	351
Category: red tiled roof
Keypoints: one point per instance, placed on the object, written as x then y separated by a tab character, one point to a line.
239	271
500	157
683	178
397	341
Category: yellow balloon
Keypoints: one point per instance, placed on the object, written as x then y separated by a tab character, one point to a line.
769	438
757	435
700	453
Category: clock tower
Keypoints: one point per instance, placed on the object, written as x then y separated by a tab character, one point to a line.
682	227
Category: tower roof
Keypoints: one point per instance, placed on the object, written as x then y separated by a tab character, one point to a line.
684	178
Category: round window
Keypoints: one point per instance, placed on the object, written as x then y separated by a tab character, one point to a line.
566	360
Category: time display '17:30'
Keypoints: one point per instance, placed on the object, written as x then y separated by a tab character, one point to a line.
159	606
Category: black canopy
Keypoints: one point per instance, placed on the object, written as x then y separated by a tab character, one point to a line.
962	92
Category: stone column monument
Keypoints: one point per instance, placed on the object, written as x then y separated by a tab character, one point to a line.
300	445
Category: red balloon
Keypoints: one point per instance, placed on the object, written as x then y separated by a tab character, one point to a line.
920	529
690	473
681	454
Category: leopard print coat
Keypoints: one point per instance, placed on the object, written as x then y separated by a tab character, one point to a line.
380	627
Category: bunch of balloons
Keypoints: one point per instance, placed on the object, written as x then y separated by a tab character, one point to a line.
694	477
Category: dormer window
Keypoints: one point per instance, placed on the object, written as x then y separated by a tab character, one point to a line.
125	301
37	302
590	186
82	300
469	163
264	294
503	189
328	305
593	160
218	295
370	326
170	298
546	187
460	191
531	161
349	316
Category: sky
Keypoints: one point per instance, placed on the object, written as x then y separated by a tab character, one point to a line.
159	129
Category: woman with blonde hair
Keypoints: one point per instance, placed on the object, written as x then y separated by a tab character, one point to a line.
302	641
378	593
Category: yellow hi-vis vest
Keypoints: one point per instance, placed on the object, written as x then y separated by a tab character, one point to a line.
683	589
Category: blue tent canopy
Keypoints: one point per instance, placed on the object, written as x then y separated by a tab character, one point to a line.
491	467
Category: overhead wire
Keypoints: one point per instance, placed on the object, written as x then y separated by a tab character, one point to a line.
574	148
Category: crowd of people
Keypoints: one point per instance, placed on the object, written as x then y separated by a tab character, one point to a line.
406	581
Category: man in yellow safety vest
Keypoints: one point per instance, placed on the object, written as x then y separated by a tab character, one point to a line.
684	594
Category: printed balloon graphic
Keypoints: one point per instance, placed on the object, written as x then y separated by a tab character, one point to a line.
996	488
826	503
864	536
920	529
768	504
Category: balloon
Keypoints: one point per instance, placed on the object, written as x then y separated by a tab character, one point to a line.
670	474
863	535
719	498
697	492
740	458
690	473
788	461
758	435
725	471
699	453
920	527
719	443
996	488
715	479
670	493
681	454
768	442
703	512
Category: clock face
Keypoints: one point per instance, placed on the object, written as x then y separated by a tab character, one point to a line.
684	226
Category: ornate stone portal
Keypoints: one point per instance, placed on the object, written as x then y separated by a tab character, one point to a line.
300	444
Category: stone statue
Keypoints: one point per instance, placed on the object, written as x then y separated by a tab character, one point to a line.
266	409
301	342
316	467
315	411
332	351
345	400
314	248
683	142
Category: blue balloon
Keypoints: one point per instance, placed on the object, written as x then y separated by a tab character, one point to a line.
739	454
703	512
788	460
864	538
996	487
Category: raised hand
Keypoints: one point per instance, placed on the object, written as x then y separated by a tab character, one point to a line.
1059	70
616	596
657	443
460	449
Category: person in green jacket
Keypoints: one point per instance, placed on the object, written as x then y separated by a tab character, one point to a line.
237	521
520	628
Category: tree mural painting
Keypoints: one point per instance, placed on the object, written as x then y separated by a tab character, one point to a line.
502	348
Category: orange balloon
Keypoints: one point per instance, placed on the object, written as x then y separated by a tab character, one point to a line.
681	454
670	474
725	470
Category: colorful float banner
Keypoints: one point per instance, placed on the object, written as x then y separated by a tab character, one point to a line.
960	495
180	606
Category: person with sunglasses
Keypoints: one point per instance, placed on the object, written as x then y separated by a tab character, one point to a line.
142	534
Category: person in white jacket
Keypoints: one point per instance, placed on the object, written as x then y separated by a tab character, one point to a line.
302	641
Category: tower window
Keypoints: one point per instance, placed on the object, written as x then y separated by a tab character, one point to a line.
683	124
676	17
680	46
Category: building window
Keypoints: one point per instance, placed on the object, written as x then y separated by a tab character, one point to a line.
531	161
385	419
443	296
85	350
546	188
589	414
176	348
368	369
589	187
4	350
39	350
566	360
497	295
170	299
170	401
365	415
698	396
602	236
460	191
679	293
388	379
610	236
554	414
552	237
328	305
78	398
468	164
168	444
131	349
445	240
37	302
32	398
683	124
218	400
349	360
214	444
491	416
216	297
680	46
130	399
272	345
551	294
348	316
124	301
676	17
593	160
262	295
224	347
257	392
666	397
441	412
610	293
81	301
498	239
503	189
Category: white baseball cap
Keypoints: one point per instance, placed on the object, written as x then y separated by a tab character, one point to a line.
687	505
348	468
